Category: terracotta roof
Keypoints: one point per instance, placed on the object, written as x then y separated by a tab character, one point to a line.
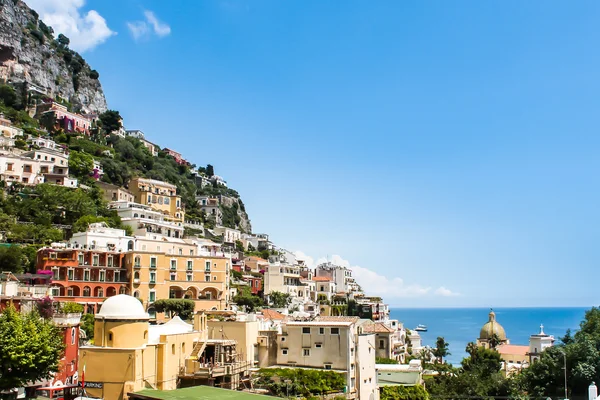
513	349
378	327
325	318
321	279
254	258
272	314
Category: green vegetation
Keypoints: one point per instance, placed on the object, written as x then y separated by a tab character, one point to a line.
417	392
111	121
246	299
279	299
71	308
30	348
184	308
87	324
286	382
382	360
441	349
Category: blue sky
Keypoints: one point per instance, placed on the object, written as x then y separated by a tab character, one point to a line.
449	149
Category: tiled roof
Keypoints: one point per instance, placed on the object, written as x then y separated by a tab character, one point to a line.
378	327
336	319
321	279
513	349
272	314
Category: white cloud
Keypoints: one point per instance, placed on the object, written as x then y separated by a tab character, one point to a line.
86	30
308	260
442	291
144	29
375	284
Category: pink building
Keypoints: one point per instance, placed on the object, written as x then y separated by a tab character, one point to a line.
66	120
177	156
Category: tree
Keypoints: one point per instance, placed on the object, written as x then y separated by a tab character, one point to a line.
94	74
441	349
210	171
30	348
279	299
80	164
382	360
48	121
11	259
63	40
416	392
111	121
184	308
87	324
45	307
8	96
248	300
494	341
71	307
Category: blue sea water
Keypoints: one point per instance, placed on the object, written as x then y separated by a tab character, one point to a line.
460	326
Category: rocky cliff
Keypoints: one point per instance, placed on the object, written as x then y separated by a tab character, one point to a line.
30	54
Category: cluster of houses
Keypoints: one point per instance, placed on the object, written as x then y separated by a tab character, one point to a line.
327	322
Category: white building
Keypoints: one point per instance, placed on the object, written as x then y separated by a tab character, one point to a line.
44	143
136	133
8	130
229	235
146	220
342	276
400	374
538	343
219	180
54	165
20	169
100	236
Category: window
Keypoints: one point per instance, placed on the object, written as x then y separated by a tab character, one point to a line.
180	252
327	366
55	291
321	331
102	276
70	274
284	352
173	264
95	259
166	201
207	266
207	278
73	335
137	262
152	277
173	277
70	292
110	336
100	292
153	262
191	252
9	167
189	277
117	276
306	330
55	273
306	352
335	331
86	275
318	345
27	168
190	265
109	261
152	296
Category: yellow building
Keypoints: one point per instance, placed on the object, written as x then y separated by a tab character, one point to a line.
173	269
130	354
161	196
492	332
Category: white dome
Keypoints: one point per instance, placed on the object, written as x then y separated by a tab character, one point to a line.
122	306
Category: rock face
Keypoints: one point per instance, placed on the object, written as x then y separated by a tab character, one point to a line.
28	54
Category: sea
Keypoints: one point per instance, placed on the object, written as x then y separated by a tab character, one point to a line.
460	326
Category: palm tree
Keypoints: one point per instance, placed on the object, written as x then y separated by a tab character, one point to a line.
494	341
471	348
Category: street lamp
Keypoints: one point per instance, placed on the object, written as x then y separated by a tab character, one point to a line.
565	369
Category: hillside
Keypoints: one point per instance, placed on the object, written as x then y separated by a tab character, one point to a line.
32	58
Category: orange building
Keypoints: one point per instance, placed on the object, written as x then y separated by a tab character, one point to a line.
83	275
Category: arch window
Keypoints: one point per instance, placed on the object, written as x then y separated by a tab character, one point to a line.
135	215
136	294
73	335
136	275
130	245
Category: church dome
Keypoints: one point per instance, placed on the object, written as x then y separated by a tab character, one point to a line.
491	328
122	306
